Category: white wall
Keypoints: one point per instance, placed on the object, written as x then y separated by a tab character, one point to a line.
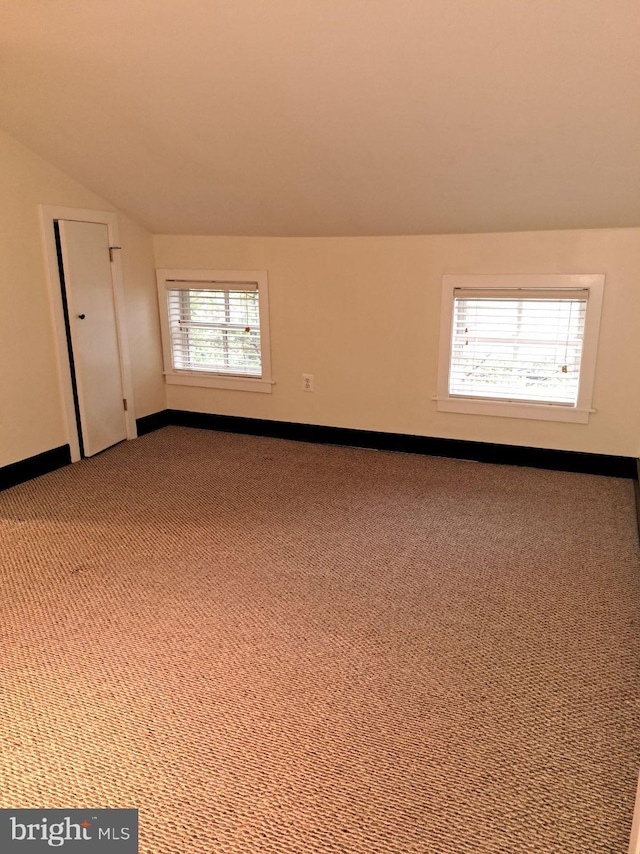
362	315
143	322
31	419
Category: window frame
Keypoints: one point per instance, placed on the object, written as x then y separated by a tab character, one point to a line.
170	279
579	413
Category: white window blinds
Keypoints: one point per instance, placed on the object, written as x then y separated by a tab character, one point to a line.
521	345
215	328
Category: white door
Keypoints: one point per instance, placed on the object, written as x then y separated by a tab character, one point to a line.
95	355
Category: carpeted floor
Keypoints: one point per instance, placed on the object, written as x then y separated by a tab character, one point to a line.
270	646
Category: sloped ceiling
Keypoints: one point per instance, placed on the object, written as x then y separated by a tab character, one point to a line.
334	117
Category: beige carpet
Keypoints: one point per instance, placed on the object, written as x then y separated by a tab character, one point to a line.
268	646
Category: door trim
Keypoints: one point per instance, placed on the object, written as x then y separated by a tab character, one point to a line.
634	841
48	215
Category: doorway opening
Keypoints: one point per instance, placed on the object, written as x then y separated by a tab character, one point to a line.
67	326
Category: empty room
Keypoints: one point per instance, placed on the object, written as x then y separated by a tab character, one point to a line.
319	426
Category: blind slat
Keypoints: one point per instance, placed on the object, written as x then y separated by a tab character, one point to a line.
522	294
201	287
517	345
215	330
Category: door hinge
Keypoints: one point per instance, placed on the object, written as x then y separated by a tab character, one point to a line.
124	402
111	249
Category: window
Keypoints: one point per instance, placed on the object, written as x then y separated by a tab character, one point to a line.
519	346
215	329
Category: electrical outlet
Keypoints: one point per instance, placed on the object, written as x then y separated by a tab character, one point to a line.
307	382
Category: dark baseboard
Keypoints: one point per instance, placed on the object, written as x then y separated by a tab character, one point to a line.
155	421
44	463
485	452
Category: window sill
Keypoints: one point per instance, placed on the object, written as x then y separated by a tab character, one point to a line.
216	381
504	409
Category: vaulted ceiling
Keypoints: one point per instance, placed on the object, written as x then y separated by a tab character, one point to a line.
334	117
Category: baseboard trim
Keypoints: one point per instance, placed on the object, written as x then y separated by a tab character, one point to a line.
485	452
44	463
155	421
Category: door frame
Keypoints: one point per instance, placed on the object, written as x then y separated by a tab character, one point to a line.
48	215
634	841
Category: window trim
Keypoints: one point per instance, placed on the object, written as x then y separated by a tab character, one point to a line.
172	278
579	413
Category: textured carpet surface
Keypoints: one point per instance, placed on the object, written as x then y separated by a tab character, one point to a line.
270	646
